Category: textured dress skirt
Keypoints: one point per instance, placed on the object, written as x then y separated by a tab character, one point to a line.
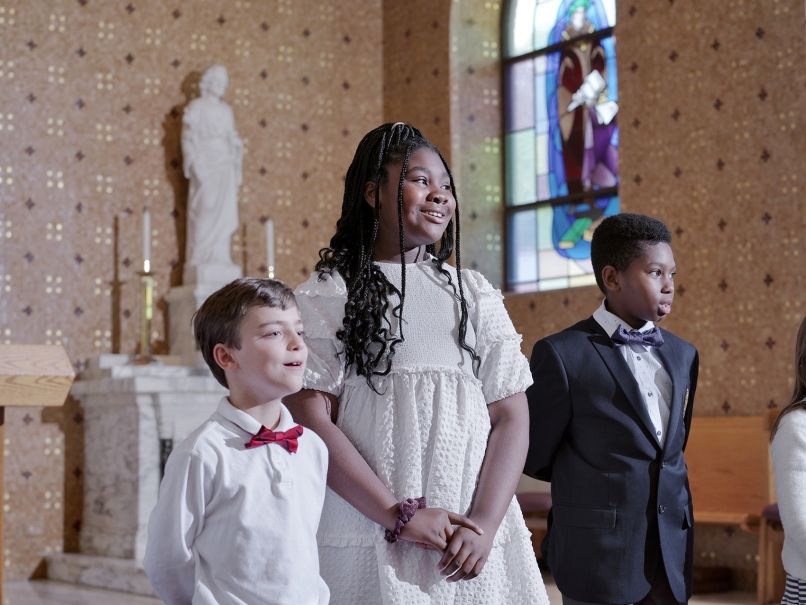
424	433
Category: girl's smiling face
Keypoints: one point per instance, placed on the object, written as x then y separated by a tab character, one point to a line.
428	205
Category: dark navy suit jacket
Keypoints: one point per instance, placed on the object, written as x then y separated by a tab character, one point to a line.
620	501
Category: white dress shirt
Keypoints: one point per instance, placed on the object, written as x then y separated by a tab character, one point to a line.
652	378
237	526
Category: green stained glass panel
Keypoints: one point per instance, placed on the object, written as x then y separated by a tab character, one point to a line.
521	182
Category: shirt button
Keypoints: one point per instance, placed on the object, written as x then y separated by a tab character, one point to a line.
638	358
661	509
649	394
658	433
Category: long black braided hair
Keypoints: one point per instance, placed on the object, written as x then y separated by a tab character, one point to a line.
367	333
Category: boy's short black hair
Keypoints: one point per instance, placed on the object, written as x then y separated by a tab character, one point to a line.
621	239
219	318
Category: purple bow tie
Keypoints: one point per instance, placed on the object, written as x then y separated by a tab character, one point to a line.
650	338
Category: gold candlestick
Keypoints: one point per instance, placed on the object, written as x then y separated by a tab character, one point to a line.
146	314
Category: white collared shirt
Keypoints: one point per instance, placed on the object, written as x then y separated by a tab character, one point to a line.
237	526
652	378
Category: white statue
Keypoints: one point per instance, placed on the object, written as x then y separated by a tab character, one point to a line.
213	156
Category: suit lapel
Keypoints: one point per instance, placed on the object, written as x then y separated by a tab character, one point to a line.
618	367
671	363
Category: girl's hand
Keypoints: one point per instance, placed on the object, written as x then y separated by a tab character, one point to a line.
432	528
465	555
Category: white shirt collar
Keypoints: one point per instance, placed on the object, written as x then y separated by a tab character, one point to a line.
611	322
249	424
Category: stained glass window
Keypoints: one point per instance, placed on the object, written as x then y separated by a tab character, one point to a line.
561	137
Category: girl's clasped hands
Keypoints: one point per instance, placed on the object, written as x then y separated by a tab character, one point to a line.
463	542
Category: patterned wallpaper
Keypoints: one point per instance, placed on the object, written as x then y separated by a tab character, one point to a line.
710	95
416	84
91	98
712	143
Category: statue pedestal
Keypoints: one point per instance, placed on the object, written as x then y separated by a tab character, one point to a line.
214	273
133	415
184	301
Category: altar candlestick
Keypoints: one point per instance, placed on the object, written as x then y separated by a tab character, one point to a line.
270	248
146	239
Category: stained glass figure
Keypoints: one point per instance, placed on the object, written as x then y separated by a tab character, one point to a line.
561	137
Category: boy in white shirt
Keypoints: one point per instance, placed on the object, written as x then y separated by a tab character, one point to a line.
239	505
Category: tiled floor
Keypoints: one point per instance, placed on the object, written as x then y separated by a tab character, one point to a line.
723	598
45	592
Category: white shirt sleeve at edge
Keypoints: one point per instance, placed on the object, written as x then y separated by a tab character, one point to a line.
173	526
789	461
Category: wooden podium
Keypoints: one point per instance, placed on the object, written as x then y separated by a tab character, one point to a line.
30	376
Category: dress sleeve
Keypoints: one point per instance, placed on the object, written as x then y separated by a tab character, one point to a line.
173	526
504	370
321	307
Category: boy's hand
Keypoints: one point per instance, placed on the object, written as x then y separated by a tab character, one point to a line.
433	527
465	555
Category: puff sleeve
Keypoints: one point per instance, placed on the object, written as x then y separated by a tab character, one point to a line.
321	307
504	370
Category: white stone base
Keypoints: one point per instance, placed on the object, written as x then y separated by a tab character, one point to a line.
183	302
124	575
128	410
211	274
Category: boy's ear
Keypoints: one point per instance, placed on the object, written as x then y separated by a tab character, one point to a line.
610	278
224	358
369	193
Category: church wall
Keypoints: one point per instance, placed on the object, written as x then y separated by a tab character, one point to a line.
711	134
91	95
710	97
416	68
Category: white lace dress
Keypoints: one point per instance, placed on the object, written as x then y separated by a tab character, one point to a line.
425	434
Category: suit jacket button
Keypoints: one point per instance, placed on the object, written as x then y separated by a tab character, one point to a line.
663	464
661	508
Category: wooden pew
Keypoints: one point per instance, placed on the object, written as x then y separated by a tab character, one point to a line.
729	469
730	473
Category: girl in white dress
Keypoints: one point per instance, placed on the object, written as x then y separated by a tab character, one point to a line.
415	381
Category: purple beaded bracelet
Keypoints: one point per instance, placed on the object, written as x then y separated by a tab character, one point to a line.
408	507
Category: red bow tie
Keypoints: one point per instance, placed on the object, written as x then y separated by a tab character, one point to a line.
288	439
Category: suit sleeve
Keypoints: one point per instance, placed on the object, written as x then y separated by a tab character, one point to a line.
693	375
549	409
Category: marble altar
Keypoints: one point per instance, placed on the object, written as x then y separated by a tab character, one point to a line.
130	414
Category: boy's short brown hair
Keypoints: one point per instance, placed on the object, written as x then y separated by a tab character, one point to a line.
218	320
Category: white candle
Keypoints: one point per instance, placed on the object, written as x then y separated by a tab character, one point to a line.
270	247
146	239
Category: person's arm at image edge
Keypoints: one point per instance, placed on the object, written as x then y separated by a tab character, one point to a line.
789	461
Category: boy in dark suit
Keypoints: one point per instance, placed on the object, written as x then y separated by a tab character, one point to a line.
610	413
